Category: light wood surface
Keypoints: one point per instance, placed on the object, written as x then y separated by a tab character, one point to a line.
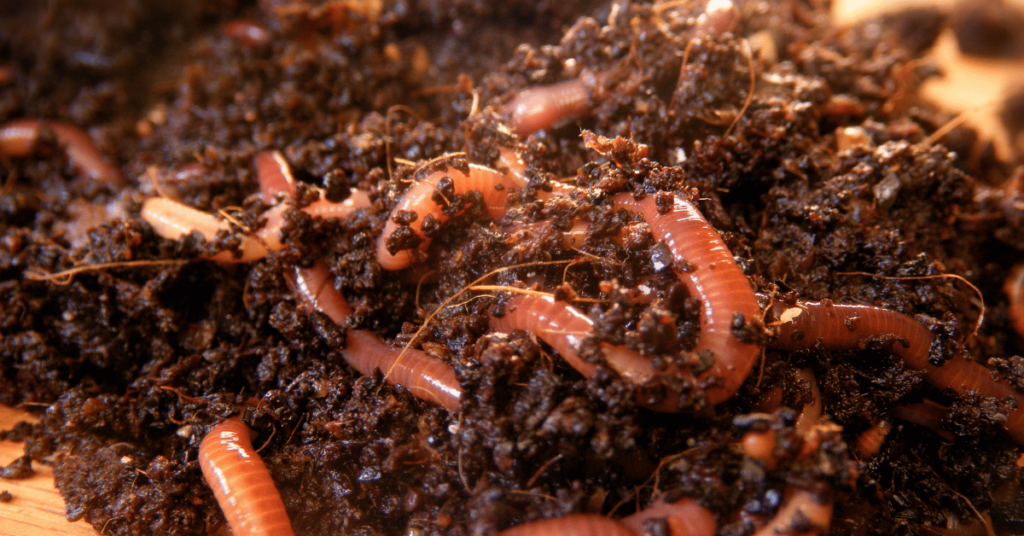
37	509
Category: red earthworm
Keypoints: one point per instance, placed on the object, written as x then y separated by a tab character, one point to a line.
274	174
685	517
247	31
1014	288
173	220
927	414
760	445
425	376
541	107
801	513
572	525
492	184
241	483
707	269
420	199
810	415
870	441
19	138
563	327
846	327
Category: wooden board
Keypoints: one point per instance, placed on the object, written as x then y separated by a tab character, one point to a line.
38	510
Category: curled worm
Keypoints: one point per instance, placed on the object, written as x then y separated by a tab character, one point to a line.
425	376
564	328
173	220
19	139
241	483
426	201
845	327
707	269
422	374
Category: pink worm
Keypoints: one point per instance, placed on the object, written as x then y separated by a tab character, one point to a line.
419	198
493	185
241	483
427	377
540	107
19	139
847	327
684	518
707	269
424	375
173	220
564	328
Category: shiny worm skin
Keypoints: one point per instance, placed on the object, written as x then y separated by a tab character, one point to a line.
422	374
425	200
173	220
425	376
241	483
540	107
19	138
845	327
683	518
706	267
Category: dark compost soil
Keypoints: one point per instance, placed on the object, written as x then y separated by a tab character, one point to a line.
128	366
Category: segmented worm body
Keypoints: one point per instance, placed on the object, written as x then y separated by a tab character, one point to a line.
1014	289
19	138
845	327
427	377
422	374
241	483
564	328
683	518
539	108
427	201
572	525
173	220
707	269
